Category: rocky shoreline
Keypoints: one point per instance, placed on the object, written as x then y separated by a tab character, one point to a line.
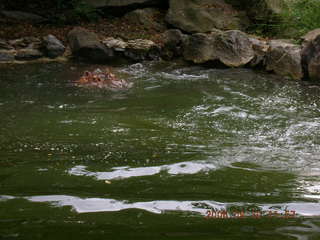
192	42
232	48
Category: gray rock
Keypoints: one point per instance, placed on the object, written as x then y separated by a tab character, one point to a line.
23	16
137	50
173	42
86	44
6	56
173	37
199	16
142	49
28	54
233	48
198	48
146	17
310	59
116	44
53	46
260	48
284	59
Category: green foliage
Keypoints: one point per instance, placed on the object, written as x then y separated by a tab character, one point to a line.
299	17
85	11
73	11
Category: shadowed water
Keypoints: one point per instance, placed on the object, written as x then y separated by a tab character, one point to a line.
148	163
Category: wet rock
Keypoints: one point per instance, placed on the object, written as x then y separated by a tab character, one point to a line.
284	59
260	48
146	17
199	16
5	45
310	59
86	44
6	56
172	43
142	49
23	16
28	54
53	46
233	48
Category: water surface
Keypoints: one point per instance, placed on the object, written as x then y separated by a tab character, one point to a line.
148	163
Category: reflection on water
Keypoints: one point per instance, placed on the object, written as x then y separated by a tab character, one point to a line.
183	140
309	230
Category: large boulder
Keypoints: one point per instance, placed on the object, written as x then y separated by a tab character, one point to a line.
260	48
284	59
53	46
172	43
233	48
118	3
198	48
118	45
86	44
147	17
199	16
310	58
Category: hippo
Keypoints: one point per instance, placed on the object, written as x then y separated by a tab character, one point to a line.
102	79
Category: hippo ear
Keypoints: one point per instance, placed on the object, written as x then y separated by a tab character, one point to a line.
86	73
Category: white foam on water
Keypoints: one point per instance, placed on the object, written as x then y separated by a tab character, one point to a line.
191	167
88	205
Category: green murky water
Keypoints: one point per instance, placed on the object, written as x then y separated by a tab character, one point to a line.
150	162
